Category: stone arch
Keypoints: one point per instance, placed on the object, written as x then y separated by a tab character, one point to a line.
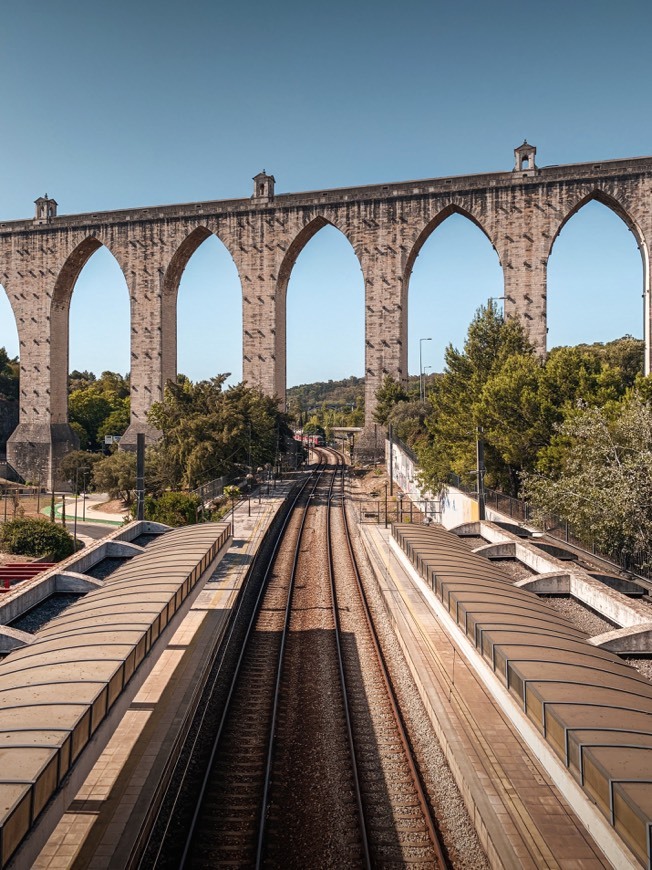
180	258
611	203
9	404
8	303
428	230
60	322
297	245
614	205
171	283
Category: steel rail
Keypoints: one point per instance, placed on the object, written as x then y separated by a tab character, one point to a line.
264	804
218	734
340	663
430	823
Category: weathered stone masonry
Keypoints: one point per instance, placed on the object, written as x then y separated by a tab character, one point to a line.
521	212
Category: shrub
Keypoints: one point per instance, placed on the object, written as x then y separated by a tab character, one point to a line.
35	537
172	508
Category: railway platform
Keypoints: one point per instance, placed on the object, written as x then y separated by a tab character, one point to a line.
522	817
105	821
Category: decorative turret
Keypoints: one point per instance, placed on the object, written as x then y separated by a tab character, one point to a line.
46	209
264	186
524	157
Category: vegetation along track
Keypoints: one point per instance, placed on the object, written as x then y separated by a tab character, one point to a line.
310	765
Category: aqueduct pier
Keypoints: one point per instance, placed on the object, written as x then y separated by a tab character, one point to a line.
520	211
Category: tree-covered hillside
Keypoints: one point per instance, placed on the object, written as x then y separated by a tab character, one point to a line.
309	397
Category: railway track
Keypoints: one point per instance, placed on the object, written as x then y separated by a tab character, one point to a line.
310	764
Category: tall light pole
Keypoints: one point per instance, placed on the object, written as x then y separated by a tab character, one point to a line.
498	299
425	378
421	341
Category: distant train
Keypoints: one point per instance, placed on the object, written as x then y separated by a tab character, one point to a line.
309	440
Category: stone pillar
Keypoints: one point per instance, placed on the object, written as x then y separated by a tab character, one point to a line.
43	435
258	253
523	253
263	336
385	318
144	266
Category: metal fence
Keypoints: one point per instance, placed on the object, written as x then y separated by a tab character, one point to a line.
403	510
212	489
12	496
560	528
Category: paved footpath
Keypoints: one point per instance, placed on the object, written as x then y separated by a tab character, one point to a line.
104	821
88	510
522	819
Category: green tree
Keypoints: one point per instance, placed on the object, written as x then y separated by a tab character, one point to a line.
603	485
89	410
207	432
77	466
457	408
80	380
98	407
31	536
172	508
389	394
625	354
117	421
408	419
81	434
116	474
312	427
9	376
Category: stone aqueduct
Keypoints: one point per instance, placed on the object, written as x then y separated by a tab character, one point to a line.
521	212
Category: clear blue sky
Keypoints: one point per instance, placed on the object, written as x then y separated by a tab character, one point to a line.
111	105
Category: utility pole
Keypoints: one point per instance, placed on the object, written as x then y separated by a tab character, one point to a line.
386	505
140	476
390	435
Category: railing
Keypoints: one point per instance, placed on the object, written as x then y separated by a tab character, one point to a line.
379	512
404	447
560	528
514	508
212	489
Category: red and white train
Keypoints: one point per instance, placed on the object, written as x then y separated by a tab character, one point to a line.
309	440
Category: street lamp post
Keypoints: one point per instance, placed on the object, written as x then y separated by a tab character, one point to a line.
421	341
497	299
76	497
425	377
84	496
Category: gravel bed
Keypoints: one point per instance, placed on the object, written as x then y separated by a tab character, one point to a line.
391	798
167	839
579	614
38	616
144	539
460	836
312	778
514	568
106	567
643	666
473	541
